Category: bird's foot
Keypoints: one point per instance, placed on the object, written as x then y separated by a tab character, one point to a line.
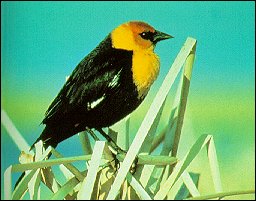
119	157
118	153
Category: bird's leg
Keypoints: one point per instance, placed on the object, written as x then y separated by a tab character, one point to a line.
92	134
119	151
109	140
112	142
116	148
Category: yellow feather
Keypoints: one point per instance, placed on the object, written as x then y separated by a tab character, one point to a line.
145	68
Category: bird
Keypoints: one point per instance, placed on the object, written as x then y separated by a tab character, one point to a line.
107	84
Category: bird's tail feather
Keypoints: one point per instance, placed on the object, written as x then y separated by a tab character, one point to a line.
47	138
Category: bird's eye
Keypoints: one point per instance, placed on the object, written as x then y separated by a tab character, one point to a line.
147	35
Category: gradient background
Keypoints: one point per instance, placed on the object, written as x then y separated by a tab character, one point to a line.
42	42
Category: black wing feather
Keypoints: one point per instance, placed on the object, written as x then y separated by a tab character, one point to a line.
88	82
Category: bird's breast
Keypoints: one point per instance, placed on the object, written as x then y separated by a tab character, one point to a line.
145	69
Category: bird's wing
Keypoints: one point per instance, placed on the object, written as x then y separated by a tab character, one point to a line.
92	78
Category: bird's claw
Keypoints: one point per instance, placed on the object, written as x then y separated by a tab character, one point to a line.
122	153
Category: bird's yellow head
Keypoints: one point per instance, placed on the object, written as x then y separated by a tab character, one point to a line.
136	35
140	38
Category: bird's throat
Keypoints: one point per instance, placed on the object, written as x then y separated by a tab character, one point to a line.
145	69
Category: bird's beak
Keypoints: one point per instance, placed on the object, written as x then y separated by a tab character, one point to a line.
161	36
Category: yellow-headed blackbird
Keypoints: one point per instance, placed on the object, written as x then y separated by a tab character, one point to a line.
108	84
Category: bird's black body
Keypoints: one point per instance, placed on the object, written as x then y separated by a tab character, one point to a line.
98	93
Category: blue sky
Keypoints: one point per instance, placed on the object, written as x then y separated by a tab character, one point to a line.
49	39
42	42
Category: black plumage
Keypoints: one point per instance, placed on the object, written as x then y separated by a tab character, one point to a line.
99	92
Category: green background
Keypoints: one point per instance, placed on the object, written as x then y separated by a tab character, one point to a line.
42	42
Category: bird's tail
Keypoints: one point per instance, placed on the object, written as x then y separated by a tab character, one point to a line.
47	136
